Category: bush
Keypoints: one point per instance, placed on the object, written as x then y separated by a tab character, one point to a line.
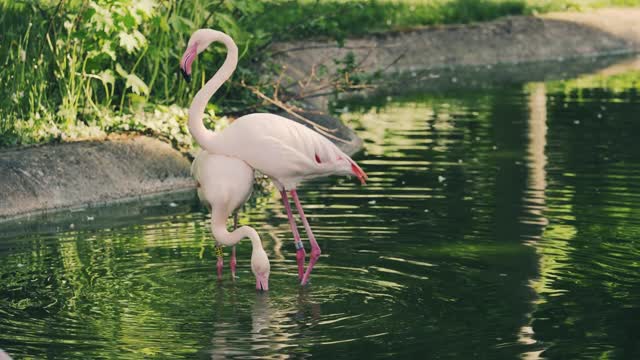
68	66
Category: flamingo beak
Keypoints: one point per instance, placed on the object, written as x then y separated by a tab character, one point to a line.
357	171
186	76
363	181
187	59
262	282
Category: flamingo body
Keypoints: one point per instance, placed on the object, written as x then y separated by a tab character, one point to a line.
284	150
224	181
224	185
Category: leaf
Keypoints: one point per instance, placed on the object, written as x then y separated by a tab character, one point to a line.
93	53
145	7
121	71
163	24
101	17
229	25
129	20
181	24
137	102
128	42
142	41
137	85
107	76
106	49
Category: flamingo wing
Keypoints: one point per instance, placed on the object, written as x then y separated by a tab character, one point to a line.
283	149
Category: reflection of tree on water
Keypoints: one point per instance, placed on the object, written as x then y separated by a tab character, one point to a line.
566	280
588	288
586	282
534	200
465	154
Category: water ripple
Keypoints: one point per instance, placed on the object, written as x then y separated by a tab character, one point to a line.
493	225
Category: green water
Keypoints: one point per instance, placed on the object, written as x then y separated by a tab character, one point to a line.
499	222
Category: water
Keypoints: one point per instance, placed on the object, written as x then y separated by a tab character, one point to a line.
499	222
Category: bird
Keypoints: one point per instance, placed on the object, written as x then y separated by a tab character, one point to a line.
284	150
4	355
224	185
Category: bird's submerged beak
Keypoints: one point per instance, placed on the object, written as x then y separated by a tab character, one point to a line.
187	59
262	282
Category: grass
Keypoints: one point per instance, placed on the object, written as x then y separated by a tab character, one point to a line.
337	19
85	68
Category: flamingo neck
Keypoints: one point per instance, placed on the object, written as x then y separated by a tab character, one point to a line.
224	237
205	137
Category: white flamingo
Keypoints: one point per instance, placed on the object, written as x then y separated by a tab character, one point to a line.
224	184
282	149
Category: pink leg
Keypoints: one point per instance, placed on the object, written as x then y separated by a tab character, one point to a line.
233	250
300	253
315	248
233	262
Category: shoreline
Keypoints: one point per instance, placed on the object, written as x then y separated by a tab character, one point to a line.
52	177
507	41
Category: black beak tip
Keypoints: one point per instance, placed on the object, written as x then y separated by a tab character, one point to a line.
186	76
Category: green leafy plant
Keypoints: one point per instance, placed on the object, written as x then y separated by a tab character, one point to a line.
69	67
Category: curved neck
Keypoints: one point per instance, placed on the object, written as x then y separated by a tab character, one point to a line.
205	137
224	237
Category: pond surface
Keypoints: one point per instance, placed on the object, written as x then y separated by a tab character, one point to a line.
499	222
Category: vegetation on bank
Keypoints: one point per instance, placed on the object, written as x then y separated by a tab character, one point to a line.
85	68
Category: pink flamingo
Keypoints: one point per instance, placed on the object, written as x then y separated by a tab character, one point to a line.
224	184
285	151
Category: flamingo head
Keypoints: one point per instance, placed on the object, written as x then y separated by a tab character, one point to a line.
261	268
198	42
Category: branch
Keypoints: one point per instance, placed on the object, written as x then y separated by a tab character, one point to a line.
290	110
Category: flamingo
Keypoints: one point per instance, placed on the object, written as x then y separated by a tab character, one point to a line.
285	151
224	184
4	355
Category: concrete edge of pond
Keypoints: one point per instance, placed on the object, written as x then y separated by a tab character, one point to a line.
111	213
88	173
510	40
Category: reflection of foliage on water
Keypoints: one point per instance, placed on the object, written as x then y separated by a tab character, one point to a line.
460	151
590	247
623	85
587	252
436	253
126	291
87	286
